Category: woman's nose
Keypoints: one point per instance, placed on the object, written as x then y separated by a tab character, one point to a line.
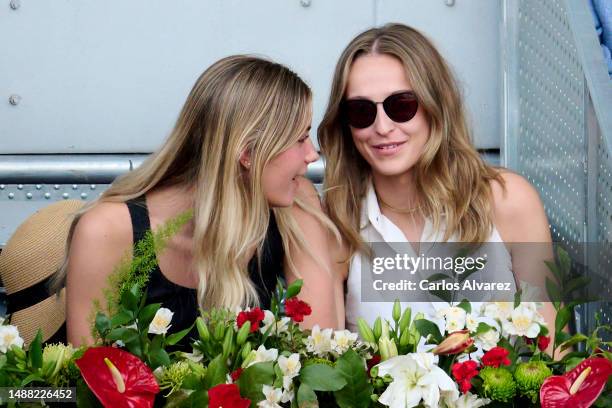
382	124
311	153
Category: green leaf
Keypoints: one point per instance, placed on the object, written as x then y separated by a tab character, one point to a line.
517	298
31	378
85	397
126	335
572	341
146	315
576	284
563	317
554	294
295	288
121	319
467	274
321	377
356	393
482	328
174	338
216	372
35	350
438	276
197	399
306	397
252	380
159	357
129	299
425	328
445	295
555	270
565	262
102	324
465	305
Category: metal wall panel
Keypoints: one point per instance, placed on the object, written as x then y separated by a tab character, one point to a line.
93	76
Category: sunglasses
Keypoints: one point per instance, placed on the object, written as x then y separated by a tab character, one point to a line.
399	107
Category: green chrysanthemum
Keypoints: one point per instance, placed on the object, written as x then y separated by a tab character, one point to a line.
529	378
498	384
173	376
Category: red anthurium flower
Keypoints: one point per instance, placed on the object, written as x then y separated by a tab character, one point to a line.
577	388
296	309
255	316
226	396
454	343
118	378
463	373
496	357
543	342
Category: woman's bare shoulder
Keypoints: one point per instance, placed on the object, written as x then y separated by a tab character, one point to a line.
518	210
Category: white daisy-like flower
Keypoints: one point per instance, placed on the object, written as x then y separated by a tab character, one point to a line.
319	341
290	366
9	336
343	340
269	320
263	355
273	397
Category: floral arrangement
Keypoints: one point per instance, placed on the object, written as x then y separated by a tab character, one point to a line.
465	356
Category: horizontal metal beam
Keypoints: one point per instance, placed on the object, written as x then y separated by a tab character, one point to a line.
84	168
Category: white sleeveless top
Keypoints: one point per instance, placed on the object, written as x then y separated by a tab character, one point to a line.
375	227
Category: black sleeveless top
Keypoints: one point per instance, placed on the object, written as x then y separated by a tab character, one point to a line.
183	301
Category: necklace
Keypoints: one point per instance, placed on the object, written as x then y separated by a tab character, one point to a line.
396	209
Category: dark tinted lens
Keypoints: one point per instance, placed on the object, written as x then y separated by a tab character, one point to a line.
360	113
401	107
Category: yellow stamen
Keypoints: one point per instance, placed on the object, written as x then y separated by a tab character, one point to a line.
576	385
117	378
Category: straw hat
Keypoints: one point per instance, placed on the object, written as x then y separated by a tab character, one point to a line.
32	255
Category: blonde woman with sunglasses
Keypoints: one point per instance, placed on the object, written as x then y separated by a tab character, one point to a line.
400	166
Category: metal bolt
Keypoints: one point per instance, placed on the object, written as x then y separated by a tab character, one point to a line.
83	196
20	187
93	186
47	195
38	186
65	196
449	3
56	187
305	3
14	100
74	186
15	4
29	196
11	196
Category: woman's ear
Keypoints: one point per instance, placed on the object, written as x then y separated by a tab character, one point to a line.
245	159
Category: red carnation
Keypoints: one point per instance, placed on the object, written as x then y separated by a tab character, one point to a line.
372	362
255	316
297	309
543	342
496	357
226	395
463	373
235	375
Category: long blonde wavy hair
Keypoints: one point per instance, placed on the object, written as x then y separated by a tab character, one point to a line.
239	103
452	181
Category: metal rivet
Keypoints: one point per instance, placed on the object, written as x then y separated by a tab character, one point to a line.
15	4
11	196
38	186
305	3
29	196
47	195
65	196
449	3
56	186
74	186
14	100
93	186
20	187
83	195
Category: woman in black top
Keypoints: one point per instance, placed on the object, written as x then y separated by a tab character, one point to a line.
236	157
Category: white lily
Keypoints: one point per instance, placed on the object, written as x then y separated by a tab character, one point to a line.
9	336
497	310
290	366
319	341
288	391
343	340
487	340
263	355
273	397
455	319
467	400
416	379
524	321
281	326
161	322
